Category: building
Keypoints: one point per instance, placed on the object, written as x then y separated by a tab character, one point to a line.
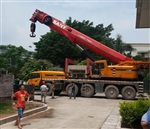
77	71
142	21
142	49
143	14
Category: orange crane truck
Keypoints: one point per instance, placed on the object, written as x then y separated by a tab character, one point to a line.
123	77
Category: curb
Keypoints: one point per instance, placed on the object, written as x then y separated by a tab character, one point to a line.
26	113
113	120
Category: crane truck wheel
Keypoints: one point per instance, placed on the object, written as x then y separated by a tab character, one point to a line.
87	90
47	20
49	92
128	93
57	92
68	89
111	92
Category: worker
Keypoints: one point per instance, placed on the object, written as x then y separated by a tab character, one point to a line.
145	121
73	90
68	75
44	90
53	90
21	97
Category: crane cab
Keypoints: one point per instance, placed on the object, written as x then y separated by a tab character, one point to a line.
101	70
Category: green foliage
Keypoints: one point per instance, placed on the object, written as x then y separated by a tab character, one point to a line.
122	47
13	58
34	65
6	107
147	76
55	48
138	57
83	62
131	112
119	45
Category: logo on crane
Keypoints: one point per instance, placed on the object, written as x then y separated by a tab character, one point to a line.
60	24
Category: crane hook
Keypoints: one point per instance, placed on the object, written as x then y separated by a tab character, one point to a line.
32	29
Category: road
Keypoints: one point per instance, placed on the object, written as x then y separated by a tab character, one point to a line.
79	113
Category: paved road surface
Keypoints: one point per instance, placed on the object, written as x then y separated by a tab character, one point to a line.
79	113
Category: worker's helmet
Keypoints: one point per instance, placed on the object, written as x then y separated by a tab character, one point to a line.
43	82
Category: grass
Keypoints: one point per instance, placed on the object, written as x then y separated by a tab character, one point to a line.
6	108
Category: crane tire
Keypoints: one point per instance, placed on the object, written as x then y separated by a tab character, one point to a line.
87	90
47	20
68	89
111	92
128	93
57	92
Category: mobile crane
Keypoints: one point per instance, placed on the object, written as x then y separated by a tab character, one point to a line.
125	69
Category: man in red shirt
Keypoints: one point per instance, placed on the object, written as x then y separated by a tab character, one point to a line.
21	97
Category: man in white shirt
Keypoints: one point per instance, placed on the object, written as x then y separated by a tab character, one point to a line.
44	90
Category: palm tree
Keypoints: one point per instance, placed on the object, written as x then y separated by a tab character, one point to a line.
122	47
128	48
119	45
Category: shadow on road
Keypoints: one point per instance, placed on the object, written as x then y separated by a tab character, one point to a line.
98	96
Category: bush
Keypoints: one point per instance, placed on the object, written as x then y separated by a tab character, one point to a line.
131	112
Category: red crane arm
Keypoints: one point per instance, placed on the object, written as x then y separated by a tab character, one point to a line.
77	37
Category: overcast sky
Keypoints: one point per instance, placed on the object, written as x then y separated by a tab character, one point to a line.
15	15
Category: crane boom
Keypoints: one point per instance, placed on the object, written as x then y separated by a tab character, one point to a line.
77	37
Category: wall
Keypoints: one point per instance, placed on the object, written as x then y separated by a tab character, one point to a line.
6	85
77	71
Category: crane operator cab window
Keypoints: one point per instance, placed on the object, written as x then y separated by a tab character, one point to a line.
96	68
101	66
34	79
34	75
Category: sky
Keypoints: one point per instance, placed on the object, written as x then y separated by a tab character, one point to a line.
15	15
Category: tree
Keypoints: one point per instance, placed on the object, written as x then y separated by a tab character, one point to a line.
34	65
55	47
122	47
128	49
13	58
138	57
119	45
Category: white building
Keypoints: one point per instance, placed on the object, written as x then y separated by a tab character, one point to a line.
141	49
77	71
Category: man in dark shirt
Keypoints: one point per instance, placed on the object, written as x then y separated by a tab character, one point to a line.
73	90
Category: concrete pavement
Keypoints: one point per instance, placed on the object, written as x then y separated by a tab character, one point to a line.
82	113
